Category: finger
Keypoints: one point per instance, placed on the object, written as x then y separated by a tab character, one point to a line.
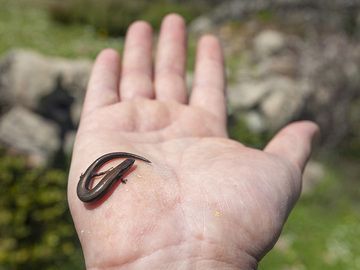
136	77
171	59
209	80
103	84
294	142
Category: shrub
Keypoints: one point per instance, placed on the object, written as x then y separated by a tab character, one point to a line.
36	230
112	17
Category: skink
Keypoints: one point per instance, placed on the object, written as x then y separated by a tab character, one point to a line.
86	194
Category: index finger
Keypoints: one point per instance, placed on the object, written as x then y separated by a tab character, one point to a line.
102	88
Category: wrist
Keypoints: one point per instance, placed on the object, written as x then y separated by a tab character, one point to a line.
186	256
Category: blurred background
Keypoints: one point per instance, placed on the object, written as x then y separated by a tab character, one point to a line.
286	60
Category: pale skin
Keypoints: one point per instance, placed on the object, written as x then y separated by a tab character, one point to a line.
205	202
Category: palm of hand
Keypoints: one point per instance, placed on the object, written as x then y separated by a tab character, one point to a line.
198	178
203	194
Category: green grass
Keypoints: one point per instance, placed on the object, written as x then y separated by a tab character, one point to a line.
324	229
28	26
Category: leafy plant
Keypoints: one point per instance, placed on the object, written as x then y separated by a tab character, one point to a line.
36	231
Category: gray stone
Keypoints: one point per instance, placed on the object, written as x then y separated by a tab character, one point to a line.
30	134
310	12
283	102
27	78
285	65
247	94
276	99
255	121
201	25
305	67
269	42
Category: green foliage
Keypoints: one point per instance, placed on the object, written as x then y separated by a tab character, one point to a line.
109	17
238	130
36	231
112	17
265	16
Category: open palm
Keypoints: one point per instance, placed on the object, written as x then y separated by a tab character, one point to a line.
205	201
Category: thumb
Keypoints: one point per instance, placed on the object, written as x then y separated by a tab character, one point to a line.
294	142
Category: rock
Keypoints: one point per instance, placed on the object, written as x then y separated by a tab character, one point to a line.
42	83
43	97
255	121
268	91
269	42
30	134
201	25
307	13
285	65
283	102
276	100
292	78
332	68
247	95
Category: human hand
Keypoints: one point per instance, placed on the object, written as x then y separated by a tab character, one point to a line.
205	201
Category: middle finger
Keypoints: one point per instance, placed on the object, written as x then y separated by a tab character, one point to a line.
136	76
171	59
